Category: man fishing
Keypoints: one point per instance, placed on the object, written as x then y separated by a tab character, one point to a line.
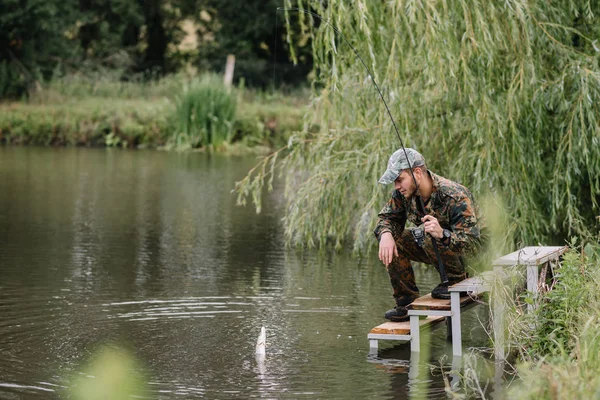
450	217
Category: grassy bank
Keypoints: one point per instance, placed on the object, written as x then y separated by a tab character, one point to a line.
554	353
561	359
100	111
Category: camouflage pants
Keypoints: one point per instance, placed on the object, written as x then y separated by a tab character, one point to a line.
401	271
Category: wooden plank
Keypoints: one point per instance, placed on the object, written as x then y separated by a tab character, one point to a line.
429	303
402	328
479	283
533	255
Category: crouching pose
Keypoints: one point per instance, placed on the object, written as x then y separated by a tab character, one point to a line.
450	216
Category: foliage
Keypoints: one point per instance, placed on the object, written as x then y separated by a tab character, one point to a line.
102	110
85	122
43	39
12	83
107	83
32	38
560	320
552	352
268	118
204	114
111	374
562	358
255	32
500	96
107	27
564	304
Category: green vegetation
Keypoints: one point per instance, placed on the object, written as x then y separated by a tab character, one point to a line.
145	40
553	352
561	358
257	34
112	373
501	96
204	114
99	110
85	122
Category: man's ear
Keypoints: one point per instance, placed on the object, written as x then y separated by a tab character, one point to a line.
418	172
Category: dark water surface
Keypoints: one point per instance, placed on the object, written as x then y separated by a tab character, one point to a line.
146	250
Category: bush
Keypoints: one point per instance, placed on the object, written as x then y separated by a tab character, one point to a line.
204	114
11	81
554	352
563	357
97	109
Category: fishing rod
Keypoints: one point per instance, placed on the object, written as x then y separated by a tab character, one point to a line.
419	200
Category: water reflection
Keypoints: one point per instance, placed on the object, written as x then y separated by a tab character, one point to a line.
147	249
413	375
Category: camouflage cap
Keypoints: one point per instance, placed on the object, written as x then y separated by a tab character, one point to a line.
398	162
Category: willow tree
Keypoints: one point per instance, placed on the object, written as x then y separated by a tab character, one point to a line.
503	96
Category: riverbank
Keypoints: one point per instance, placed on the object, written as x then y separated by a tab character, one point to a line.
92	113
555	351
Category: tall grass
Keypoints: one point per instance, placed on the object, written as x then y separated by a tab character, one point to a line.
97	108
86	122
561	360
106	83
204	114
554	352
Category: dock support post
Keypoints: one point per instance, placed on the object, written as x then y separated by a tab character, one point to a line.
498	310
373	345
532	285
449	328
413	373
455	375
415	334
456	333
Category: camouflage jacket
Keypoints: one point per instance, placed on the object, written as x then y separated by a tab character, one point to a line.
451	203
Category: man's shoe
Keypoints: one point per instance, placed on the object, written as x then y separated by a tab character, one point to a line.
397	314
441	292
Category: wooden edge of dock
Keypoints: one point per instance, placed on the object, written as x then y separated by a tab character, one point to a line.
422	303
402	328
429	303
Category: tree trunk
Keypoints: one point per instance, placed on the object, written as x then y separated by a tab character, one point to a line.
154	58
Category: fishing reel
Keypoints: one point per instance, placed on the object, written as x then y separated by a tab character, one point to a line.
419	235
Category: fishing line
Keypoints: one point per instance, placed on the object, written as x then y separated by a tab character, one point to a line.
420	203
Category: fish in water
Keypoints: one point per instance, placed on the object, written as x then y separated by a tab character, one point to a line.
261	342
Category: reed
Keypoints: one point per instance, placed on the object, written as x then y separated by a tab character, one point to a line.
204	114
553	353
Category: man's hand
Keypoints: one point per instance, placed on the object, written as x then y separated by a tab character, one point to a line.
432	226
387	248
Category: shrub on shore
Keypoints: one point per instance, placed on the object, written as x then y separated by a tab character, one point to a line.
204	114
102	111
554	352
562	357
87	122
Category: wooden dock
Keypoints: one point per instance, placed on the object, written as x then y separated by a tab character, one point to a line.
429	303
438	310
434	311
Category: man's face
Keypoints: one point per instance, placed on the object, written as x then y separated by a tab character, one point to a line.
405	184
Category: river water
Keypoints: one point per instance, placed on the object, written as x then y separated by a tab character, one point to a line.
146	251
